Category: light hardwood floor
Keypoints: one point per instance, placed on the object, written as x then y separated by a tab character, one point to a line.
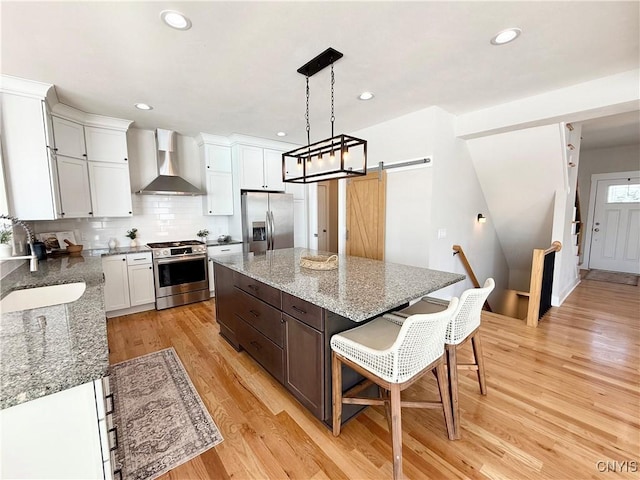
563	398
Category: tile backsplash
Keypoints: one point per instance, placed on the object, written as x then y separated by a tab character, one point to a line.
157	218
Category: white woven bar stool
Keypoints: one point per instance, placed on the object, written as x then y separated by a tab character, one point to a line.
465	325
393	356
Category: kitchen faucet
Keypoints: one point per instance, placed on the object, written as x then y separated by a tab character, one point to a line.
33	259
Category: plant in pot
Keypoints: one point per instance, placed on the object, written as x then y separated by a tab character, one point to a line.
5	241
203	234
133	234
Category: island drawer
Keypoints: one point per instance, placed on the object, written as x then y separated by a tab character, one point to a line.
261	316
263	350
258	289
302	310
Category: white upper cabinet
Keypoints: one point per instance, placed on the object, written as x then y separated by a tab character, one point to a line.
69	138
218	175
29	169
251	167
73	179
110	189
260	168
273	170
106	145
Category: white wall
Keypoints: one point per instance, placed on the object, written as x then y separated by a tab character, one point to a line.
446	195
604	160
520	172
457	199
566	275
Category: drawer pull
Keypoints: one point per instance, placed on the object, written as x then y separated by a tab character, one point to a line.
113	405
115	434
254	313
299	310
225	250
253	287
256	345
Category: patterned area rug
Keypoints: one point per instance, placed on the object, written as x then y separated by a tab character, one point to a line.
160	417
612	277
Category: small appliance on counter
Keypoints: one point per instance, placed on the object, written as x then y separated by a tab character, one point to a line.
224	238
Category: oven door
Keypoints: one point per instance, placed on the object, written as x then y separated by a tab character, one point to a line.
177	275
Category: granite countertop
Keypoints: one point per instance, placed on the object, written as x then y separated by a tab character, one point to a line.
358	289
215	243
71	349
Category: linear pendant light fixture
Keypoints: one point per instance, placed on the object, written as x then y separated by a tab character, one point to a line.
341	156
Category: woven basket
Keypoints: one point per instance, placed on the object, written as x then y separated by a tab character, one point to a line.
319	262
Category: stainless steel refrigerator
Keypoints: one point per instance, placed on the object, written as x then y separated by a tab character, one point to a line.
267	221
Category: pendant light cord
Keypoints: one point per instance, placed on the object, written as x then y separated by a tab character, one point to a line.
307	116
333	81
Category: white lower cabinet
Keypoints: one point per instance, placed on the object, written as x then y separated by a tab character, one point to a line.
128	283
57	436
217	251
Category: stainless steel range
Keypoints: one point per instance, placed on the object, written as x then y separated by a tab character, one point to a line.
180	272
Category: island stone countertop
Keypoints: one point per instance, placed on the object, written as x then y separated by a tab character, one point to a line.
358	289
68	349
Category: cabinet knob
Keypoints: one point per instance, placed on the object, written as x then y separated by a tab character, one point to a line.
124	259
150	268
84	154
130	213
90	213
62	214
209	211
125	159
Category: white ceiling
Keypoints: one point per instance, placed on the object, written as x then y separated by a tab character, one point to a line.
235	70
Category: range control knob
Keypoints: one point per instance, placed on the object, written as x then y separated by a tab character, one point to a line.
165	252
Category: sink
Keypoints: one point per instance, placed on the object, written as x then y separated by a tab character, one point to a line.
38	297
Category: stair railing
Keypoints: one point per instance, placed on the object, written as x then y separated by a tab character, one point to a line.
541	283
457	250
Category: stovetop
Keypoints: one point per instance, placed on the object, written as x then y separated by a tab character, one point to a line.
176	249
181	243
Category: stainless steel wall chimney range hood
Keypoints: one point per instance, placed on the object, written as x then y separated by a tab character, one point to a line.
168	182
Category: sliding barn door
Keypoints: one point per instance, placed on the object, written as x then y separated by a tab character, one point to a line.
366	201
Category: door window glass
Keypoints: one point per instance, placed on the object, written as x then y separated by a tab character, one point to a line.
623	193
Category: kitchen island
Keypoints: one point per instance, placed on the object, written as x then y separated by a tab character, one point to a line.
284	315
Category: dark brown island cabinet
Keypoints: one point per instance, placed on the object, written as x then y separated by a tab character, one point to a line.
288	336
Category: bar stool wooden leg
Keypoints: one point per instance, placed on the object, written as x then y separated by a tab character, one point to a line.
452	367
396	431
443	386
476	343
384	395
336	375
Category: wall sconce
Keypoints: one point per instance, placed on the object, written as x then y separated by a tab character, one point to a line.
482	218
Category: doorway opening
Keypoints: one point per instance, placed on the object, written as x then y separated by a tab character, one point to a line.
328	216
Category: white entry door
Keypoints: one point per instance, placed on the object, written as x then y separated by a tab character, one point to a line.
615	239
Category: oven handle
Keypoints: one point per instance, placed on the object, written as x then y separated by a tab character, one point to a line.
163	261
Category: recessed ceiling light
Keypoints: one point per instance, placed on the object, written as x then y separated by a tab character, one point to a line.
365	96
143	106
282	134
175	19
506	36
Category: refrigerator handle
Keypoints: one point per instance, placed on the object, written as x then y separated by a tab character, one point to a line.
267	226
273	231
